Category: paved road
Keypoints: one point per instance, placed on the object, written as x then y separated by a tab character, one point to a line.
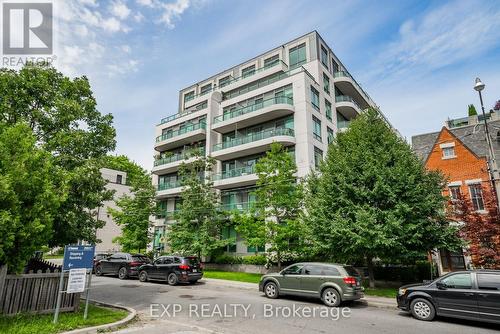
213	306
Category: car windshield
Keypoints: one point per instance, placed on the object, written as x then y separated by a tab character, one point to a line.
140	259
351	271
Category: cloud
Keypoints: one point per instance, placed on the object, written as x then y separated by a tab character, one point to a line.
173	11
147	3
120	10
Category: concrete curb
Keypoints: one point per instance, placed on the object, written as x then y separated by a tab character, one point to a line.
110	326
379	302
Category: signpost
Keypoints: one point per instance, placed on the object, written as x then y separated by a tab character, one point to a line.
77	260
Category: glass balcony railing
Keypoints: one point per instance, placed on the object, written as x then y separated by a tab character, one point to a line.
189	128
179	156
242	206
253	107
346	98
183	113
169	185
345	74
343	124
254	137
249	74
235	173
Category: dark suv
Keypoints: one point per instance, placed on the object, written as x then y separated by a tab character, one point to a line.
332	283
173	269
473	295
122	264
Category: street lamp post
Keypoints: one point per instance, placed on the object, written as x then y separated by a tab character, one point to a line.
479	86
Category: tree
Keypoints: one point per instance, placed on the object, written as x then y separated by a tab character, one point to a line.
274	219
198	225
62	114
32	189
134	211
472	110
480	230
373	198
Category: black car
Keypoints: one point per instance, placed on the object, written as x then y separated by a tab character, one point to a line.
473	295
122	264
173	269
98	257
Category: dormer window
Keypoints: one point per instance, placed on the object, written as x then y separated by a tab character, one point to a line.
448	150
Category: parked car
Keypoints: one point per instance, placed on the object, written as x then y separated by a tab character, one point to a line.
332	283
122	264
98	257
173	269
473	295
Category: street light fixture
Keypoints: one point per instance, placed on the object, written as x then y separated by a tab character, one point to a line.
492	166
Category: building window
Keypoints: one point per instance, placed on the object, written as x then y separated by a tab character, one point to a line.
206	89
326	83
119	179
454	193
271	61
324	56
451	261
252	249
188	96
224	81
335	66
330	135
229	233
248	71
476	196
297	56
315	98
318	156
448	152
328	110
316	128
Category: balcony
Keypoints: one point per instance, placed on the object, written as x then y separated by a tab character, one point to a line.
239	177
187	135
274	67
253	143
168	189
172	163
344	81
241	206
264	111
343	125
347	106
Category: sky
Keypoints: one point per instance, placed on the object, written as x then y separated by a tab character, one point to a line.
417	59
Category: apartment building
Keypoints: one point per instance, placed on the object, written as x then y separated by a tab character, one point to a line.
298	94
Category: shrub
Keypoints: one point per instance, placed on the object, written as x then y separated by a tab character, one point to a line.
228	259
255	260
405	274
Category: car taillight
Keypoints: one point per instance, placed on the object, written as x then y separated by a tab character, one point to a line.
184	267
135	264
349	280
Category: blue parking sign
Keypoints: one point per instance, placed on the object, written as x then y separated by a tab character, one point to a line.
78	257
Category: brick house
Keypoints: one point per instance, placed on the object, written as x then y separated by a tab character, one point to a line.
460	152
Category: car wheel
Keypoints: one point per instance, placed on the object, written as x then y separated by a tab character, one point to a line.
172	279
143	276
271	290
98	271
422	309
330	297
122	273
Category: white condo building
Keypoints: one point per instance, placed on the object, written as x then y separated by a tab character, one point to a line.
298	94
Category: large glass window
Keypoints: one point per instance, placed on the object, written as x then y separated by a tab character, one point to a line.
248	71
205	89
476	196
297	56
330	135
328	110
315	98
324	56
316	128
224	81
326	83
229	232
318	156
188	96
271	61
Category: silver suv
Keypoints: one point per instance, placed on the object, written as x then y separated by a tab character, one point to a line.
332	283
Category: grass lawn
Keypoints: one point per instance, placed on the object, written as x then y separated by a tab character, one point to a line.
55	256
255	278
232	276
42	324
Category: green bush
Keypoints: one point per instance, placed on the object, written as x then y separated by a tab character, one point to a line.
228	259
259	260
405	274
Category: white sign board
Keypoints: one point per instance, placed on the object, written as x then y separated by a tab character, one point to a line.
76	280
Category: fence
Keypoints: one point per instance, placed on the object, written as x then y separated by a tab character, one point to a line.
34	293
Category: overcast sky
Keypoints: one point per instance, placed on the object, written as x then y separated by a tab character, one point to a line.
417	59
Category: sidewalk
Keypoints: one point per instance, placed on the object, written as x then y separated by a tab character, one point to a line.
374	301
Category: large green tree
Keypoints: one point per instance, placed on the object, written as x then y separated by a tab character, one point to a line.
274	219
198	222
62	114
135	210
373	198
32	189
